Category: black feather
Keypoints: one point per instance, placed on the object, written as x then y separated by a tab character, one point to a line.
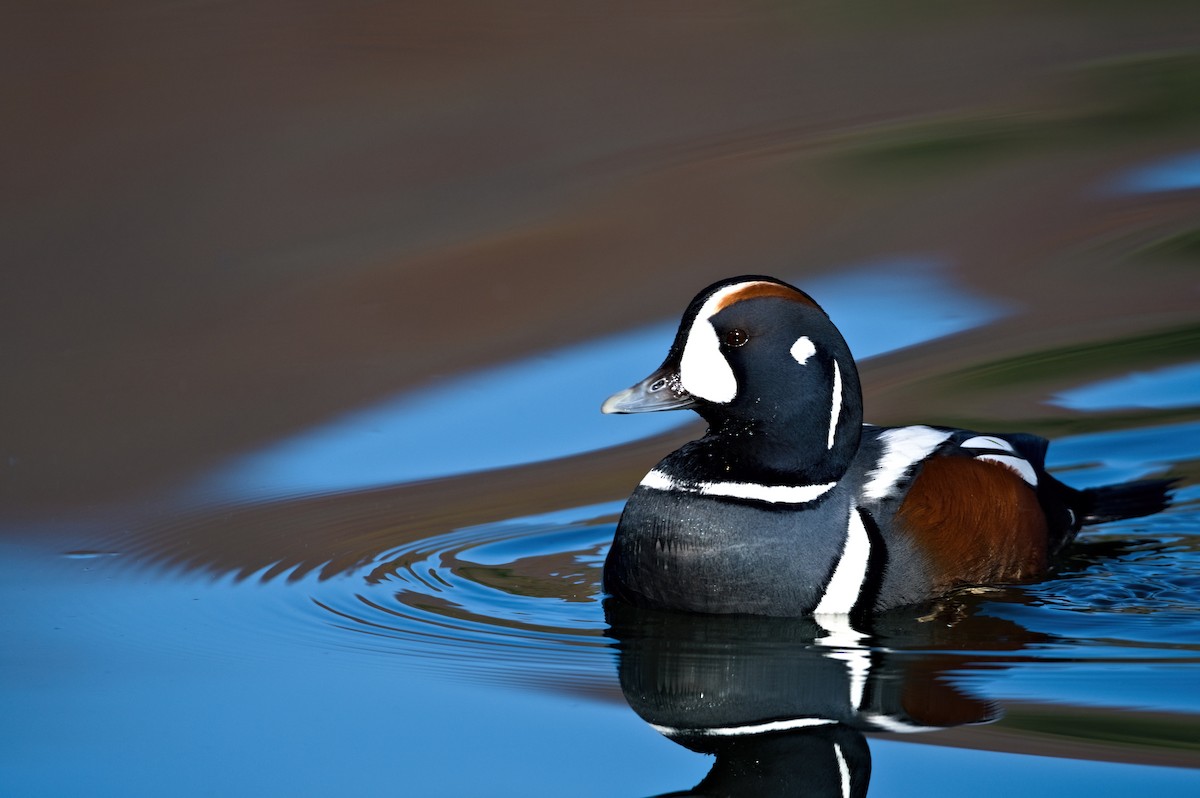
1127	500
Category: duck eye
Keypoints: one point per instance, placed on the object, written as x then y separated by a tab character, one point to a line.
735	337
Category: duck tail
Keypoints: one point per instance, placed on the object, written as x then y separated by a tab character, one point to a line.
1127	500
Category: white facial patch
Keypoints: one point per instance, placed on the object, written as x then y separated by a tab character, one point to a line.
803	349
703	370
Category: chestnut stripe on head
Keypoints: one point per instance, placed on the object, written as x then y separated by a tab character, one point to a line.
761	288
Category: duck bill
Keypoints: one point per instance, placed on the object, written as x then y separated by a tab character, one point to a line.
660	391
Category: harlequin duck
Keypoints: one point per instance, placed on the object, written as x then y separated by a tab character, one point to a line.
790	505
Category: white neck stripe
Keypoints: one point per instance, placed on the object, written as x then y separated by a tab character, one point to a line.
773	494
836	410
750	728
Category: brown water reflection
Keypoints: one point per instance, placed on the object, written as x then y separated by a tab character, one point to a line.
226	223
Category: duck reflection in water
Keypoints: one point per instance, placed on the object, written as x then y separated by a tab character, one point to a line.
783	702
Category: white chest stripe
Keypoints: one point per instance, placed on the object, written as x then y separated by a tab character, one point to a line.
844	586
901	448
774	494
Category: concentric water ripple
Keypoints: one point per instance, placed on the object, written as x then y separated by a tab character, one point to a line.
518	602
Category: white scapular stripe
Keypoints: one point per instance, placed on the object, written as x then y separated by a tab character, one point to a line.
773	494
988	442
803	349
843	770
1022	467
836	410
750	728
844	586
902	447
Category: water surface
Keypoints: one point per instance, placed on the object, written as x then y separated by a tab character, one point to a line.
307	316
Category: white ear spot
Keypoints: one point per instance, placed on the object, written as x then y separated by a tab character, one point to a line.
803	349
703	370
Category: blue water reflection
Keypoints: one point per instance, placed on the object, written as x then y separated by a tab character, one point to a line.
546	406
1174	386
237	663
1175	173
1103	458
221	661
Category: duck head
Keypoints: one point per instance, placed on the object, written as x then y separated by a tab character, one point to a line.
759	360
